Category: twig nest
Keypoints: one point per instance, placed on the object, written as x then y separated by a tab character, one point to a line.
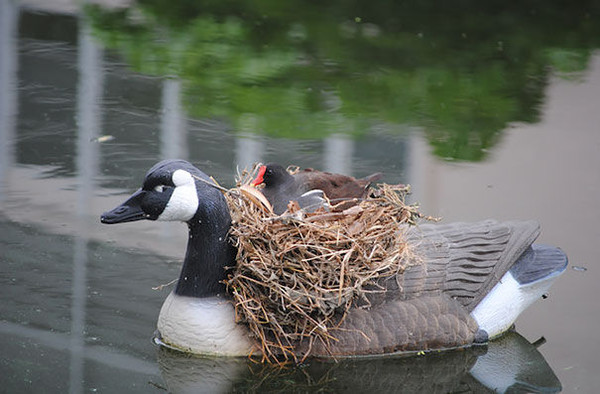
297	274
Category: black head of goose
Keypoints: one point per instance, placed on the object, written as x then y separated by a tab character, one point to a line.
473	282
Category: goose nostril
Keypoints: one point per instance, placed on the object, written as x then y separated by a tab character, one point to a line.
121	209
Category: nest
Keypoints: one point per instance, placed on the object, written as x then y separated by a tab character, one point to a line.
297	274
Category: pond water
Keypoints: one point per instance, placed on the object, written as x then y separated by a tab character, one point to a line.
486	112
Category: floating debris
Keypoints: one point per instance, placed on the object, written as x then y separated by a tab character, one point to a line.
160	287
579	268
104	138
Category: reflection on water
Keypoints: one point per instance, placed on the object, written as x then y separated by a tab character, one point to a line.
335	69
374	91
509	365
63	332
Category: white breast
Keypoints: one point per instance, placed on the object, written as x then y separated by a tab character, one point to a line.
202	326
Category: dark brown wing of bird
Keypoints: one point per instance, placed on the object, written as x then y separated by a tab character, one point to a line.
337	187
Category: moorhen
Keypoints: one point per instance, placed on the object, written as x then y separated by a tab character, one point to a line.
281	187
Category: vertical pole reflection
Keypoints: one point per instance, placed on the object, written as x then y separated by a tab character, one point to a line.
339	149
248	150
173	134
9	18
249	145
89	92
78	315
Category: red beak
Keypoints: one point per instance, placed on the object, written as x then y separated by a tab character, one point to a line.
260	177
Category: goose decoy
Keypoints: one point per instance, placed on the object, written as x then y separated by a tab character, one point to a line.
473	282
281	187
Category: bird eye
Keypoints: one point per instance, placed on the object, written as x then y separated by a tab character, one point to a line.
159	188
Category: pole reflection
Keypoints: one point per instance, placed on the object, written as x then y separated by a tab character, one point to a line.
88	119
9	23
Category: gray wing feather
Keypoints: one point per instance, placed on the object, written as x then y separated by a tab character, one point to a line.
463	260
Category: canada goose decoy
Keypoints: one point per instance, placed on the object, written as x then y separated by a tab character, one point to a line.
475	278
281	187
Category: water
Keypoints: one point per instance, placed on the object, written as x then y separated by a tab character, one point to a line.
492	116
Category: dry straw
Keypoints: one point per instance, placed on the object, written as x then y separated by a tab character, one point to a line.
298	274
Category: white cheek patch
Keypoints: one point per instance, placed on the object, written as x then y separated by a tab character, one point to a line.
182	178
183	204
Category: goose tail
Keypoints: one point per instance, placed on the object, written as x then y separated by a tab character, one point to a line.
539	263
528	280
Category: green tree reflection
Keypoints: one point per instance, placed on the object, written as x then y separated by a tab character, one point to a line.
461	71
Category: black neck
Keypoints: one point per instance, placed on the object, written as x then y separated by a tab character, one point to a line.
208	255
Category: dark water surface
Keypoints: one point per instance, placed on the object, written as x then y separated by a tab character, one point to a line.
488	112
